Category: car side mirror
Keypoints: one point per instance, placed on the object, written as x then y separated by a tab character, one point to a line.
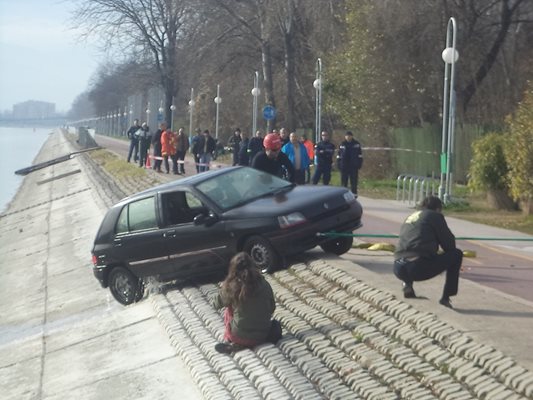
206	219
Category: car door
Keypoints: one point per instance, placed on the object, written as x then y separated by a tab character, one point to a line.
192	248
139	242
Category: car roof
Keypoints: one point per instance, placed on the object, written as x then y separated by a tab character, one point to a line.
189	181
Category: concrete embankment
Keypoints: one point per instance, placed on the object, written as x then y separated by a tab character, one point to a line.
346	334
61	335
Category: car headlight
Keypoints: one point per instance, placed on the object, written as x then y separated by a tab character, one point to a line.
349	197
286	221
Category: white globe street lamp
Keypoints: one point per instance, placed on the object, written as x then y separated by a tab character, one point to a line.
255	92
191	111
450	57
217	101
317	84
172	109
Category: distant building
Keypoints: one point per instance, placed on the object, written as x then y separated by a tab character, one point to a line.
33	109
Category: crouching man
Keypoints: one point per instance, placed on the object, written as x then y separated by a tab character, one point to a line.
417	257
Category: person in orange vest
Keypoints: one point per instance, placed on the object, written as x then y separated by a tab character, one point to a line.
310	147
168	149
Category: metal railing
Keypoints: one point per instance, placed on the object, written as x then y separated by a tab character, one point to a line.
414	187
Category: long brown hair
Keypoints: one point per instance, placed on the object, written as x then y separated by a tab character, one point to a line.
243	278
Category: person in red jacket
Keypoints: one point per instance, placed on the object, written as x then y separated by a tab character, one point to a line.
168	149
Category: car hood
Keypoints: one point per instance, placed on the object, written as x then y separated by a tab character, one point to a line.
309	200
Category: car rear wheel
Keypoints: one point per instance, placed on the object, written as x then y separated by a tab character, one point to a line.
338	245
264	255
125	287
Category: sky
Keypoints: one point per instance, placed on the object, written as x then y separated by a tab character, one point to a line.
41	57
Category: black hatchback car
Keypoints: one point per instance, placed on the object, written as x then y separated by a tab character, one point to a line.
193	227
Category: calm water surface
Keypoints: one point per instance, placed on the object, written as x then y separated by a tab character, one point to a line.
18	147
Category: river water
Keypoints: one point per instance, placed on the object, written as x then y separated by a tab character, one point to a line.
18	149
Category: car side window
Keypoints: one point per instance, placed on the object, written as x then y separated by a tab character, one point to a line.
142	214
181	207
122	222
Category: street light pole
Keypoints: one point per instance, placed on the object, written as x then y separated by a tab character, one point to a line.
255	92
217	101
172	109
317	84
449	56
148	113
191	111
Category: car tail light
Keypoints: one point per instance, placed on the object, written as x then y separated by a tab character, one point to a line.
95	260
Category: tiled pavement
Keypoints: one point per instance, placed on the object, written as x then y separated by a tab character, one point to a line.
343	339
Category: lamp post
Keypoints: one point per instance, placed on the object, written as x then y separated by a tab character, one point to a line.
131	115
255	92
450	57
124	127
172	109
217	101
148	113
317	84
117	117
191	111
160	111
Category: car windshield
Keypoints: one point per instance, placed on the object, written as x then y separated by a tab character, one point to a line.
240	186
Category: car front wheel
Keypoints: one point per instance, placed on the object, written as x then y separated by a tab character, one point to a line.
338	245
264	255
125	287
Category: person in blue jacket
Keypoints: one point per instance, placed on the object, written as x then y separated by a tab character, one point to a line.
297	154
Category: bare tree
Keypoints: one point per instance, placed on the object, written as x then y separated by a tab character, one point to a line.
152	28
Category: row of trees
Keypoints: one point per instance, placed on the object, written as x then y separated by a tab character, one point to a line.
382	65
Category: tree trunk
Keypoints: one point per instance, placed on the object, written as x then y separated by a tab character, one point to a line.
500	200
526	205
267	79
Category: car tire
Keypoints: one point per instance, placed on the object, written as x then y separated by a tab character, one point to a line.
125	287
264	255
338	246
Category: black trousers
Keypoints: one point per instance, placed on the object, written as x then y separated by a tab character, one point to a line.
134	149
322	171
353	176
425	268
181	157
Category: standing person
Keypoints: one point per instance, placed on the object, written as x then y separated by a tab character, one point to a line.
310	147
168	150
134	141
272	160
195	140
243	149
156	144
284	135
144	143
249	302
350	161
235	144
255	146
181	149
324	151
416	258
297	154
206	147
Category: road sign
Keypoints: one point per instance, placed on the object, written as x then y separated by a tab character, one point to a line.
269	112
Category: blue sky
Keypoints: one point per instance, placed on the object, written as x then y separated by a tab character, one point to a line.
41	58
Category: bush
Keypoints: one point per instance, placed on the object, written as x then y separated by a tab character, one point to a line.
488	168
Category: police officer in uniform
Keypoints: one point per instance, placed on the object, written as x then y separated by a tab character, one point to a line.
324	151
350	161
417	257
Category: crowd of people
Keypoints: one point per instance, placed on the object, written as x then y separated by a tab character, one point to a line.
287	155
